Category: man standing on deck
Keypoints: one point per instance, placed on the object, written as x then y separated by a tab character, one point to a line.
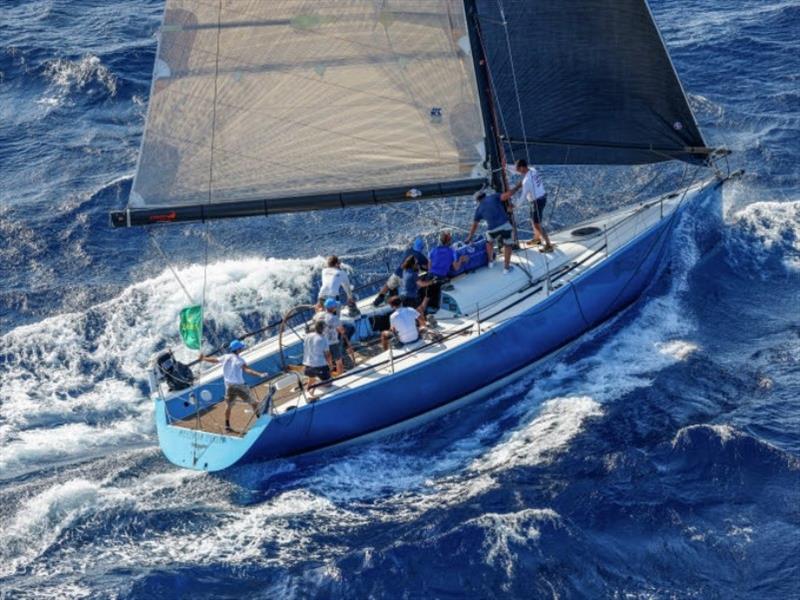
335	333
491	209
532	191
317	358
233	367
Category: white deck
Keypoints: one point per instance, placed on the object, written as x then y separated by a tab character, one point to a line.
487	297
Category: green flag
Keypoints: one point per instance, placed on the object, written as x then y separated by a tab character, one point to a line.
191	327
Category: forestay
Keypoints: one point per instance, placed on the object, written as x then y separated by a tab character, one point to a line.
257	99
586	82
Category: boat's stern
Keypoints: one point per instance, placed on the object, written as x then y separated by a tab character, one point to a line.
193	448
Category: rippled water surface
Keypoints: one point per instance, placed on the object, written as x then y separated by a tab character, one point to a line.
659	457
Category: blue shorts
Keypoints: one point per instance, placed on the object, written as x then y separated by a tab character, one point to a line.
502	234
537	209
323	373
336	350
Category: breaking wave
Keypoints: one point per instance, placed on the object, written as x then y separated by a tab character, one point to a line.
719	451
72	384
66	76
765	234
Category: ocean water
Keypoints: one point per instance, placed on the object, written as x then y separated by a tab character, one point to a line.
658	458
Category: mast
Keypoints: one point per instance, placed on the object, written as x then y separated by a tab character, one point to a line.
493	143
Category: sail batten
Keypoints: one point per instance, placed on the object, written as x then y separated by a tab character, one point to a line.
253	100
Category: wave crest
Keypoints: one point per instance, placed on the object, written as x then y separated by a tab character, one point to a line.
765	234
66	76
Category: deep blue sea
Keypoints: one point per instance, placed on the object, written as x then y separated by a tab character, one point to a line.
658	458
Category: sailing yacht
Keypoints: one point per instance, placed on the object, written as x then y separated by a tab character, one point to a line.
389	101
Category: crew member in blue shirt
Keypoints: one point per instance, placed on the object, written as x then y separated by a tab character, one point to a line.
410	282
416	250
492	210
443	258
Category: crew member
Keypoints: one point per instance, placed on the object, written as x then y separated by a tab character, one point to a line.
491	209
335	284
233	367
417	250
443	259
335	333
404	324
534	193
317	358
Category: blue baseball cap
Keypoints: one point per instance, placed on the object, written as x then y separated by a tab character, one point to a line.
331	303
419	244
236	345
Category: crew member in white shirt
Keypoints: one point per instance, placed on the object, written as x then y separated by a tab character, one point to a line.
317	358
404	322
534	193
335	284
336	334
233	369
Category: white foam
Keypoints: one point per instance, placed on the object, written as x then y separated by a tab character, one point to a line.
678	349
76	74
40	523
503	531
72	383
724	433
762	230
535	442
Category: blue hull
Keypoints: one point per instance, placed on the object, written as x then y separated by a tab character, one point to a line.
566	314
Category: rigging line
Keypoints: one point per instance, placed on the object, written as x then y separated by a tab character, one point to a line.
170	265
437	222
210	172
558	189
513	76
214	103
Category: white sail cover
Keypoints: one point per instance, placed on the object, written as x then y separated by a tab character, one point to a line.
256	99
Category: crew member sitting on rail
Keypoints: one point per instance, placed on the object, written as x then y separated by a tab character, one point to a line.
335	333
335	284
233	367
410	282
404	324
532	191
416	249
317	358
491	209
442	259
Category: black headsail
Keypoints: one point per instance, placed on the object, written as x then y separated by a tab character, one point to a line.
262	107
586	82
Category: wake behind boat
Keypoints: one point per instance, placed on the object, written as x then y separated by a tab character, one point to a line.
413	100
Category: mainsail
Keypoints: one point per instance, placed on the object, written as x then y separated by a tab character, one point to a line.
267	106
586	82
300	100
